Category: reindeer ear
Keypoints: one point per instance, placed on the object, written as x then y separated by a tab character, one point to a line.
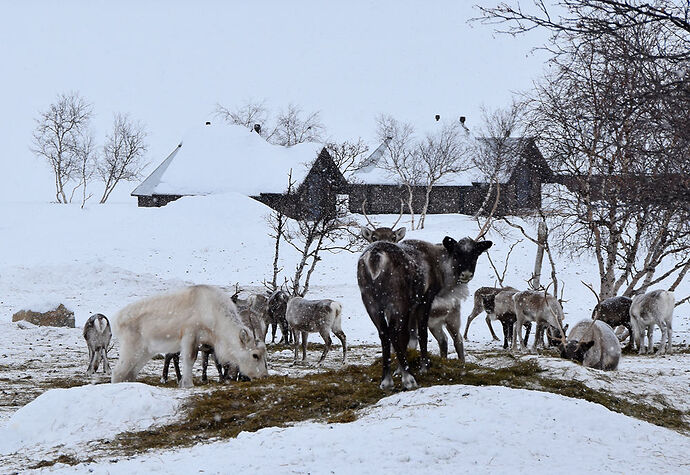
245	337
399	234
449	243
366	233
484	245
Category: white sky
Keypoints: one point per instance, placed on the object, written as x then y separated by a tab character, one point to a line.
168	64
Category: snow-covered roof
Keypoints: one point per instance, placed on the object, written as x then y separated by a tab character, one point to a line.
220	158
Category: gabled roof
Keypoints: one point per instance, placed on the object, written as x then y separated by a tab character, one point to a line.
223	158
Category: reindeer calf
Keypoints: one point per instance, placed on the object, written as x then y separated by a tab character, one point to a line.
310	316
97	334
536	306
647	310
592	343
276	308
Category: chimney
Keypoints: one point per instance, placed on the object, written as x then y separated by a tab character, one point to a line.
462	119
438	117
257	128
208	122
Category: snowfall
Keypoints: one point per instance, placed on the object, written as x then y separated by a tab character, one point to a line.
100	258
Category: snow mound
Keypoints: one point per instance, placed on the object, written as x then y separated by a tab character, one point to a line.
447	429
84	413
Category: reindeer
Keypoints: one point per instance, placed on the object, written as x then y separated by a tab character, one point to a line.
276	308
615	311
399	283
592	343
322	316
653	308
181	321
97	334
536	306
382	233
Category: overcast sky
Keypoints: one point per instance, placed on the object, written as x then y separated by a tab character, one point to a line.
168	63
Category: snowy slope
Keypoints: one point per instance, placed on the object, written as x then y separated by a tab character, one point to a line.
448	429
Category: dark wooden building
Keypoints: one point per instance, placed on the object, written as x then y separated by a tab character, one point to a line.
520	188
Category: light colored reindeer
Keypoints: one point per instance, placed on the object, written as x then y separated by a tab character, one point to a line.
653	308
592	343
536	306
97	334
311	316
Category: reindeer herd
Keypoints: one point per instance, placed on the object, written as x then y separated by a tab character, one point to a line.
408	288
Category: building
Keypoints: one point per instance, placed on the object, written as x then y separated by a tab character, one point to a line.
214	159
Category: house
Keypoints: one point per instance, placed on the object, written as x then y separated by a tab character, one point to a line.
462	192
214	159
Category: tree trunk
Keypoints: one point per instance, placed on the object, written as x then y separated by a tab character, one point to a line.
535	281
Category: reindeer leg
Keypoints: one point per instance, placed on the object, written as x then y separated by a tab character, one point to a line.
106	366
296	345
491	329
187	355
204	366
650	339
219	368
166	366
528	328
662	343
507	332
423	322
325	334
343	341
669	330
274	327
304	335
92	362
453	325
400	341
436	329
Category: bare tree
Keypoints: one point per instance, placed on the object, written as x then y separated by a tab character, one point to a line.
287	127
293	126
250	113
400	159
278	222
441	153
58	138
122	157
348	155
87	158
615	148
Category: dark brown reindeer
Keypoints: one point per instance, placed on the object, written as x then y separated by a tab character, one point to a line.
384	234
398	284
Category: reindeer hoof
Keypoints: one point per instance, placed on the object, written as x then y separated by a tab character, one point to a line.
387	383
409	382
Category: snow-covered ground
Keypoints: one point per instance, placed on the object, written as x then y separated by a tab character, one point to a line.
103	257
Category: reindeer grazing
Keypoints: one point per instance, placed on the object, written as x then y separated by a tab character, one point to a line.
653	308
382	233
310	316
398	284
181	321
536	306
97	334
592	343
276	308
615	311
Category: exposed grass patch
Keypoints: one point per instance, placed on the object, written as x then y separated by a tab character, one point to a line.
66	459
335	396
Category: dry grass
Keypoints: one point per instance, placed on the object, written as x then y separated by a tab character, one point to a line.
335	396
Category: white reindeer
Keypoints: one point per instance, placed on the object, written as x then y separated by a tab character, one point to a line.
181	321
592	343
647	310
311	316
97	334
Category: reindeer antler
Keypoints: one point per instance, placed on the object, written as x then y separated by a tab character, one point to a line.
591	288
402	208
364	203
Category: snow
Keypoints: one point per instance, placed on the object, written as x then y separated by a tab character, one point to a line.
220	158
80	414
448	428
103	257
